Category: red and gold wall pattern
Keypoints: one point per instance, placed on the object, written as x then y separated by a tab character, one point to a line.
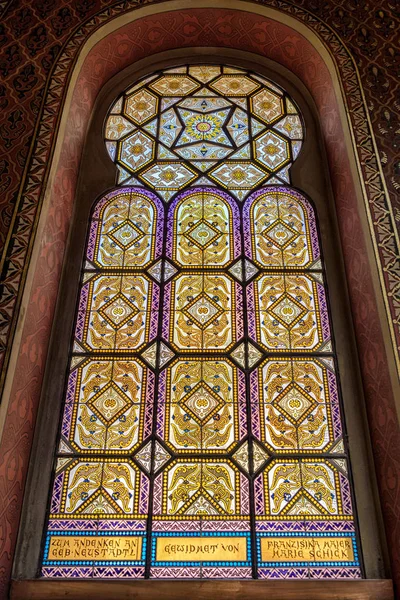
39	41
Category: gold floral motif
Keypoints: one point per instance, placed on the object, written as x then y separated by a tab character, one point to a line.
174	85
296	405
267	105
95	486
284	483
200	411
84	480
118	482
296	488
202	233
140	106
126	237
271	150
234	85
280	232
200	488
203	312
109	405
118	315
287	313
318	481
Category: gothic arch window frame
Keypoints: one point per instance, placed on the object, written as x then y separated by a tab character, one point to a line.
298	179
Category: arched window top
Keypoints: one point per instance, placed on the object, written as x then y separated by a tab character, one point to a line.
126	230
201	227
280	230
204	124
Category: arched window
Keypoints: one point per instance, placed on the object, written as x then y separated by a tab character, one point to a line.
202	434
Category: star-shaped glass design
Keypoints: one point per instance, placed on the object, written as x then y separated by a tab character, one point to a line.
203	127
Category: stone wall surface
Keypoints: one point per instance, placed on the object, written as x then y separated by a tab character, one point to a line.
39	41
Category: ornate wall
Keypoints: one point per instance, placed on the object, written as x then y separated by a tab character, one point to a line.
40	41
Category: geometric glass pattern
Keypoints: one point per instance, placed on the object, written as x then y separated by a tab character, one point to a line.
204	124
271	151
202	433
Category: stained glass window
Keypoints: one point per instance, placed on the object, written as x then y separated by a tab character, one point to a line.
202	434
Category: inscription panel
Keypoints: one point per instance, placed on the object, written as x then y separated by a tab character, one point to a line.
79	547
314	549
209	549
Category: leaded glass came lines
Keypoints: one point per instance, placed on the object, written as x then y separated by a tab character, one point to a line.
202	434
222	128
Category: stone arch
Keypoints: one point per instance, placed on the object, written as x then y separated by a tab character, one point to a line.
108	50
